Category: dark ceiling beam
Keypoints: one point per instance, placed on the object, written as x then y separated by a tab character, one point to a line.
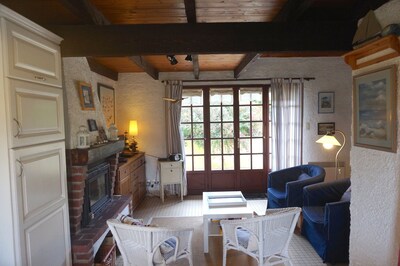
291	11
190	9
91	15
101	70
362	7
244	65
142	63
84	10
235	38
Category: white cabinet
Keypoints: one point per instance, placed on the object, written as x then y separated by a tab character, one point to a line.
30	56
34	227
35	113
170	173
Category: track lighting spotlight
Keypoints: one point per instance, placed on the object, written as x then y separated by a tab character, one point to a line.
172	60
188	58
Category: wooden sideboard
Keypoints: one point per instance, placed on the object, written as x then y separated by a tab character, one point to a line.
131	178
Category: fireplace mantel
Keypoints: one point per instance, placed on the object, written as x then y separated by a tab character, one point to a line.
95	153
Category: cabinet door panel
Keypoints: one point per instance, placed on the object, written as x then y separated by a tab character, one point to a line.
32	57
36	113
47	241
40	179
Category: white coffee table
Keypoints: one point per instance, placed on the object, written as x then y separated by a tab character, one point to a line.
222	205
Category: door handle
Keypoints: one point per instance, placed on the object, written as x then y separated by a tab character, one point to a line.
18	128
21	167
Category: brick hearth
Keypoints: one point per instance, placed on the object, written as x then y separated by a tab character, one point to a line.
78	162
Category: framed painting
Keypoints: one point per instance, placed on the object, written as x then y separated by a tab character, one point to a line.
86	96
374	105
326	102
325	128
107	101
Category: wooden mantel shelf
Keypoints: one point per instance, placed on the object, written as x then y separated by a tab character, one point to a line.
380	50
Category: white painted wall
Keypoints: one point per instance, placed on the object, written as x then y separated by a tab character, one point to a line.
139	97
77	69
375	216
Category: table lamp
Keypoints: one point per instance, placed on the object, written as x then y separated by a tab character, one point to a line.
328	141
133	131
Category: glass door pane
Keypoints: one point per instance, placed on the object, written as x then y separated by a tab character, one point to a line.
221	129
192	126
251	135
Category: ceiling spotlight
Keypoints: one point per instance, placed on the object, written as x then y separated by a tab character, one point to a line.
172	60
188	58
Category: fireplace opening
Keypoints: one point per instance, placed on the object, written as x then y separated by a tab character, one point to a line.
97	191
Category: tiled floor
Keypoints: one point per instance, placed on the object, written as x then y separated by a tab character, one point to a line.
300	250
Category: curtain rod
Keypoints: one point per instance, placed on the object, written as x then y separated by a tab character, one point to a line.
219	80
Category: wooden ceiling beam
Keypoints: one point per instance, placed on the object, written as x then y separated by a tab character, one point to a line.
84	9
101	69
190	9
91	15
204	38
143	64
244	65
293	9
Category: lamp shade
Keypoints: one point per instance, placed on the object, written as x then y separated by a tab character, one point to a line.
133	128
328	141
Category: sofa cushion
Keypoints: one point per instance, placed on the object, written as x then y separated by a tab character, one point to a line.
278	194
346	195
276	198
304	176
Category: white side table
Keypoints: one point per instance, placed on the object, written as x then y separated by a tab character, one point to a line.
171	172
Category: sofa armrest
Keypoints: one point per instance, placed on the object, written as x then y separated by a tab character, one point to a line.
294	191
322	193
337	221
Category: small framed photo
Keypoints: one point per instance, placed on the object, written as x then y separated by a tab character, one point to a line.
86	96
325	128
92	125
326	102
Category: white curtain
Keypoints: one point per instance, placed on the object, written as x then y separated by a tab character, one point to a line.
287	123
175	142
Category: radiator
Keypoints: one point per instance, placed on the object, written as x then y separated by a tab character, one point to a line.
330	169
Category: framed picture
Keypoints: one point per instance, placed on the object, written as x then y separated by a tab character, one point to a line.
324	128
374	105
86	96
92	125
326	102
107	101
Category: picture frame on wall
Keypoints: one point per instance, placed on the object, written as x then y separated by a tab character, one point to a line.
374	105
326	102
107	101
92	125
86	96
325	128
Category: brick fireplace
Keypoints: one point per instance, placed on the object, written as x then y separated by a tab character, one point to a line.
86	240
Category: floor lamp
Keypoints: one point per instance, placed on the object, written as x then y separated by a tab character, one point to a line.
328	141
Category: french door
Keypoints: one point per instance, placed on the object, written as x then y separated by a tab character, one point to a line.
226	138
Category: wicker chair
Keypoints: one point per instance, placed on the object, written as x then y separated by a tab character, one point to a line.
265	238
143	245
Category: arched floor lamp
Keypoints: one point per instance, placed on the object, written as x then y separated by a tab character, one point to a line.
328	141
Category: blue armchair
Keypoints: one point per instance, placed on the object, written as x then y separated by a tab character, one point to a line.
285	187
326	219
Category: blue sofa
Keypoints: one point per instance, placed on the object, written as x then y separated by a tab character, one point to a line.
326	219
285	187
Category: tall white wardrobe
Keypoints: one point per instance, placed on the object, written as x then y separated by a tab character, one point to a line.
34	223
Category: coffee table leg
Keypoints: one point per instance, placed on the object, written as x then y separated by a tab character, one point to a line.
205	237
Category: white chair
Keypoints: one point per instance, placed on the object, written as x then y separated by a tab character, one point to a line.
265	238
140	245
